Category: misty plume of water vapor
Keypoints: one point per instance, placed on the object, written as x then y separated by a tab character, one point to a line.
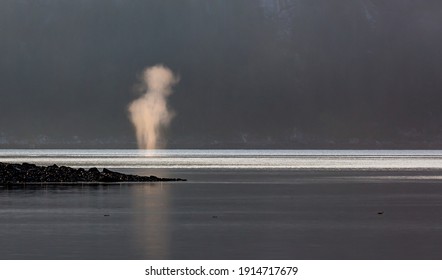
150	114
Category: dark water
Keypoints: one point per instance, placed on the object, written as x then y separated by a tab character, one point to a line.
228	214
236	204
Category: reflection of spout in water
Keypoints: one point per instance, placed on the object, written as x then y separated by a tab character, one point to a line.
151	203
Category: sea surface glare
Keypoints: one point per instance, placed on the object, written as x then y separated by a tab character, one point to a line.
236	204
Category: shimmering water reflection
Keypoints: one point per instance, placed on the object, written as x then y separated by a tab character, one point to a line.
234	159
235	205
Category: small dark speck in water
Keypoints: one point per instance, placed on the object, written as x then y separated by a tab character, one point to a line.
106	215
380	212
215	217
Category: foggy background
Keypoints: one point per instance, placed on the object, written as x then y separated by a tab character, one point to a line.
253	74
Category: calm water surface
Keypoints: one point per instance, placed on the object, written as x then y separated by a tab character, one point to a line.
233	159
236	205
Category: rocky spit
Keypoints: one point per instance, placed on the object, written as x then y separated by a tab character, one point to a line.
31	173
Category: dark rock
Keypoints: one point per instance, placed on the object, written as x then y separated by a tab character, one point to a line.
29	165
31	173
94	170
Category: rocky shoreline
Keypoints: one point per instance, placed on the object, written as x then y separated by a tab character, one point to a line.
30	173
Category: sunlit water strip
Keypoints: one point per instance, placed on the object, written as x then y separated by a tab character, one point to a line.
234	159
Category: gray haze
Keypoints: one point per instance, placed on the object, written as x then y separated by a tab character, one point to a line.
258	73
